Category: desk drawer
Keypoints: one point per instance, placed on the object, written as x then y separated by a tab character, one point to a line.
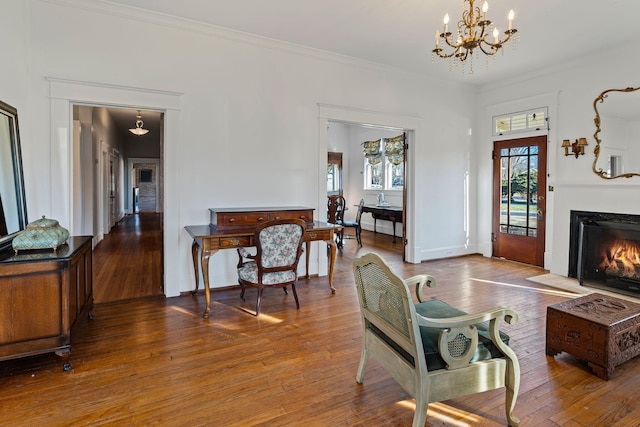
235	242
313	235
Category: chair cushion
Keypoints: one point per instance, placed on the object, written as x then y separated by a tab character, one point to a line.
349	223
249	273
437	309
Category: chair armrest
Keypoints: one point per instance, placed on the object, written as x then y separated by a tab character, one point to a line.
242	254
452	327
495	313
420	281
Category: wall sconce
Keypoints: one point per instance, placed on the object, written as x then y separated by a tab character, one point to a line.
577	148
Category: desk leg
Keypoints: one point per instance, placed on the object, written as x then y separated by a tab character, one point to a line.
307	257
332	262
194	256
394	230
204	264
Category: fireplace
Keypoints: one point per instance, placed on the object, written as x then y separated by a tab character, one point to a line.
604	251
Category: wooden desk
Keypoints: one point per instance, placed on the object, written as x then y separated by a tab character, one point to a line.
389	213
210	239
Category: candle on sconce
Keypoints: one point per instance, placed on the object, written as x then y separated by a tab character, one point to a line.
511	16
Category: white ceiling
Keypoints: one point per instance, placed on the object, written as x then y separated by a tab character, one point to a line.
401	32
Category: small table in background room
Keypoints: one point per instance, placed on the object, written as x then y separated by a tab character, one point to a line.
389	213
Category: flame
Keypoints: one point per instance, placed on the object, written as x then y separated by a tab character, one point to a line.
622	259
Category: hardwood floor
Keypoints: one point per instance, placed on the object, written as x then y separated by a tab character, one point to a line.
127	263
156	362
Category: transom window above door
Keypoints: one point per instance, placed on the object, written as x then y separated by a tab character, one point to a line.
523	121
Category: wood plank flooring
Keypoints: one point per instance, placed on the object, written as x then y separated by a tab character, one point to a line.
128	261
155	362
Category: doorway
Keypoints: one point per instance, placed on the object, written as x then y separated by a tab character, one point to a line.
519	199
108	201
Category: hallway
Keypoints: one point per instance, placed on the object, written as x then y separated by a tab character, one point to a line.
127	263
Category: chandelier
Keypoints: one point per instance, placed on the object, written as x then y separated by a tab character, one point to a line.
473	32
138	130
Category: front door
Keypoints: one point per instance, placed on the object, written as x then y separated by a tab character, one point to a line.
519	199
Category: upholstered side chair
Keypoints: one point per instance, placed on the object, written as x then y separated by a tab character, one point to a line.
433	350
275	264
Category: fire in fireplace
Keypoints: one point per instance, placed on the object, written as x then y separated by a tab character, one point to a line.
605	251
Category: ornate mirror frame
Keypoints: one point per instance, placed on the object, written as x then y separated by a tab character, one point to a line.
13	206
597	120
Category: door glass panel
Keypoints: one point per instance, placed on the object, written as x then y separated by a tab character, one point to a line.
519	180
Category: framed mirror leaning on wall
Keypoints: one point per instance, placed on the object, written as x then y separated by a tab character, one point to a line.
13	207
617	120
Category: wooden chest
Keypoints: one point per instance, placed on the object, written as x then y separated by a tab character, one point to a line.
248	218
602	330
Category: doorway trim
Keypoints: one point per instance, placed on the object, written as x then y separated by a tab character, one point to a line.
411	125
63	94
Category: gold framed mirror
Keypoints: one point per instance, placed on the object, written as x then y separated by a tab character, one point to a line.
617	151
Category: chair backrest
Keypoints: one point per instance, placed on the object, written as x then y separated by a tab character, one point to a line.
335	209
359	213
385	305
279	244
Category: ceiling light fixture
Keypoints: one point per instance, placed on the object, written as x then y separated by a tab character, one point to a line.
473	30
138	130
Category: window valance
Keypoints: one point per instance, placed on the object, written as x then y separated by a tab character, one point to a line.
394	149
372	152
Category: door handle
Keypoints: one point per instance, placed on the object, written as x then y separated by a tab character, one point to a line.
540	215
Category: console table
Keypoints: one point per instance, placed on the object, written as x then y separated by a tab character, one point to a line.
45	295
233	228
389	213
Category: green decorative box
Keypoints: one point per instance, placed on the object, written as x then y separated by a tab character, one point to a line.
41	234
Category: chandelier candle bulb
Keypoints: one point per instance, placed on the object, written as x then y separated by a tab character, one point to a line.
446	23
437	38
485	8
511	16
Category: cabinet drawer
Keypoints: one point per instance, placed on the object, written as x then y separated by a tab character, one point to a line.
306	216
241	220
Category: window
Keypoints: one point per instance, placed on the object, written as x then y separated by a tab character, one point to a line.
384	164
520	122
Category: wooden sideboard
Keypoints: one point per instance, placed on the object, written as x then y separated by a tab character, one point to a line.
44	296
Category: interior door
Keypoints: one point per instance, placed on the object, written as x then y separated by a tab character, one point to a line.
519	199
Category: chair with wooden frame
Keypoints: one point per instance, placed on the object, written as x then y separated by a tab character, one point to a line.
354	224
275	264
433	350
336	205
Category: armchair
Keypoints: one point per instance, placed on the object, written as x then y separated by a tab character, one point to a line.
275	264
433	350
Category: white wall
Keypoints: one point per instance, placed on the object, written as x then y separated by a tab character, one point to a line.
246	132
574	86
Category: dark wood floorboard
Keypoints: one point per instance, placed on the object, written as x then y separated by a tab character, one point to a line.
155	362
